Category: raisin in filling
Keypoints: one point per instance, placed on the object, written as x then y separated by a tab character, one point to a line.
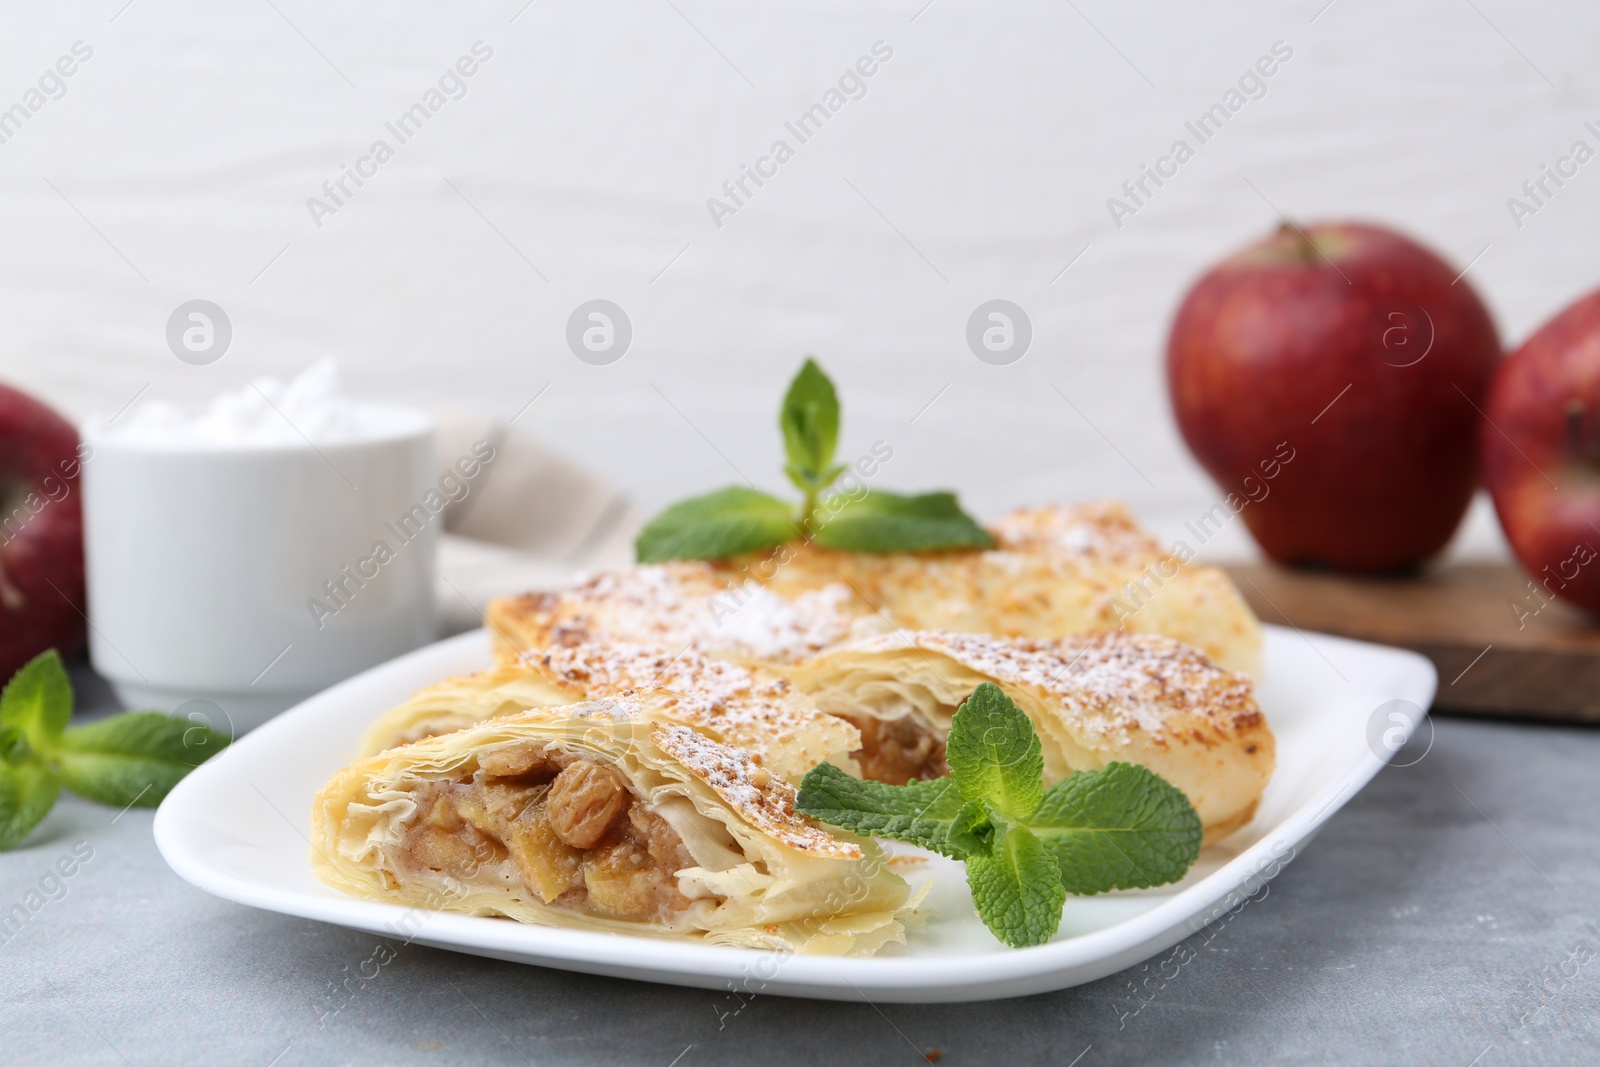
569	829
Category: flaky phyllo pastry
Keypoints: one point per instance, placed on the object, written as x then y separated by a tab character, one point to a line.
608	816
1054	572
746	708
1135	698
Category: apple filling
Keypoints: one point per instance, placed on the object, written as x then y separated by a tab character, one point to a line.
569	830
898	751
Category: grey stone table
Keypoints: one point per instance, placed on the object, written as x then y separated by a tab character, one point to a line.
1450	914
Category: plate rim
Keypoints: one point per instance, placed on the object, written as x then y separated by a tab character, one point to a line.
984	976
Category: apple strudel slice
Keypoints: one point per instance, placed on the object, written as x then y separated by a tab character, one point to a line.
606	816
746	708
1093	699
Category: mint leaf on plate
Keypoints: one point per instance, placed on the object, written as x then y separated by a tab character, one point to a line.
883	521
1017	890
918	812
1121	827
724	523
134	758
1025	847
993	753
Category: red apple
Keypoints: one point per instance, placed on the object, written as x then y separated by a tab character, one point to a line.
41	533
1361	354
1541	454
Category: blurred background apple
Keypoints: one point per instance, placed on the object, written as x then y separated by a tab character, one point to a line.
1541	453
1363	354
41	533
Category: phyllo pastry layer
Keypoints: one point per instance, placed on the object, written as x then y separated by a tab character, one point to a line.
751	709
607	815
1093	699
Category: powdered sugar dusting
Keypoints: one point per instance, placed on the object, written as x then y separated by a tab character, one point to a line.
1114	682
760	797
624	665
773	628
688	603
306	411
762	713
1101	531
616	709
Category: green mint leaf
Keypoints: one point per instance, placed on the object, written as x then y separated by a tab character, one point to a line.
810	422
134	758
36	704
27	793
1122	827
976	828
883	521
918	812
1017	889
994	755
724	523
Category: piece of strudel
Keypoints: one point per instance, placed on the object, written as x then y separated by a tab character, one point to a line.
608	816
746	708
1093	699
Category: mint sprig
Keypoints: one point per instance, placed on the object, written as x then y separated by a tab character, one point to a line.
134	758
740	519
1025	847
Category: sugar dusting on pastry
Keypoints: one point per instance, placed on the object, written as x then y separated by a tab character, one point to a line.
773	628
689	603
762	798
625	665
1129	681
617	709
764	713
1104	530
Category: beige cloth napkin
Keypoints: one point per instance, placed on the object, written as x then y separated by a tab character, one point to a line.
530	519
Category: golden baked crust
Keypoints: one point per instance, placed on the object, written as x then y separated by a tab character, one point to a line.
760	712
1093	698
764	800
1055	571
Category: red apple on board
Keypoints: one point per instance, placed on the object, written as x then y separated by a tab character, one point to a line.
1541	454
1359	353
41	533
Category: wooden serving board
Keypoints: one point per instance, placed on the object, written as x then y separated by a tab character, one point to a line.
1461	617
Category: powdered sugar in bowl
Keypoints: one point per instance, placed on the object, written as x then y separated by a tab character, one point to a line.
245	555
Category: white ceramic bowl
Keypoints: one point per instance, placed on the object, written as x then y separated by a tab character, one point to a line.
206	563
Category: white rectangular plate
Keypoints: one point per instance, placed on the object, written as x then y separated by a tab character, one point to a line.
237	826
